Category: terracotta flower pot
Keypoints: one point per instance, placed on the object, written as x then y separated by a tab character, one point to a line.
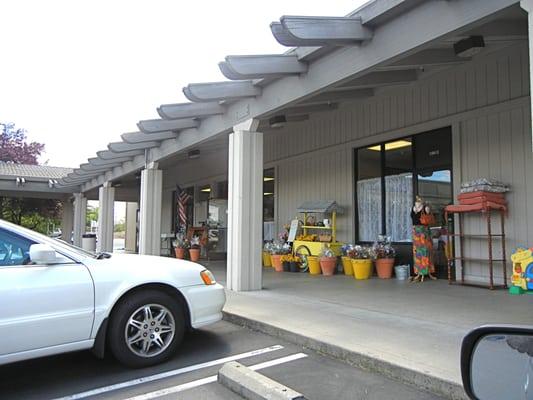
327	265
384	267
194	254
180	253
276	262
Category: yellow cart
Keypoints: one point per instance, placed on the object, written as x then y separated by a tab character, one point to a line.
328	209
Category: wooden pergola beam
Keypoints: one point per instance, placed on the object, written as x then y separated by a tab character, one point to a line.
297	31
121	147
261	66
380	78
98	162
344	95
189	110
218	91
109	155
164	125
92	168
141	137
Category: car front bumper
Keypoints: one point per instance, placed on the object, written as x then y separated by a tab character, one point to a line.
205	303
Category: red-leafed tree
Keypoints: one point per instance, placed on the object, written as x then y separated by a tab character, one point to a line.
15	148
39	214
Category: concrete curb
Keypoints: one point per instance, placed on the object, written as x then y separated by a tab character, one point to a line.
433	384
252	385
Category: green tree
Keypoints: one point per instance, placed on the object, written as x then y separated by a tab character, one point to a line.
41	215
92	215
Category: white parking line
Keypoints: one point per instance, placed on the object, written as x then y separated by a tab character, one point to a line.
168	374
213	378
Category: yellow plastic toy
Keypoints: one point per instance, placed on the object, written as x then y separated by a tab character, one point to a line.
522	278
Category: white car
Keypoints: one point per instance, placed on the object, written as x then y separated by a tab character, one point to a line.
56	298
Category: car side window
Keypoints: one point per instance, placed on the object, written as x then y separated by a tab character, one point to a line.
14	249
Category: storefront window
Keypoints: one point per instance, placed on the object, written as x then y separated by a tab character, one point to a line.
390	174
369	205
398	189
268	204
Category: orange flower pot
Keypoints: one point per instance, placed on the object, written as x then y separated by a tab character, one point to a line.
276	262
384	267
327	265
180	253
195	254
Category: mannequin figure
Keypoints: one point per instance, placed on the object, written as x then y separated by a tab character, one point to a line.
422	243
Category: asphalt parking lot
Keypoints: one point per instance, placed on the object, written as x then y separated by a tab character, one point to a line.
191	373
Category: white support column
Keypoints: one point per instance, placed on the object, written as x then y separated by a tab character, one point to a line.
150	213
106	211
131	227
67	220
80	215
245	207
528	6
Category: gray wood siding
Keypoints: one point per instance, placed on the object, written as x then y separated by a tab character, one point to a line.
498	145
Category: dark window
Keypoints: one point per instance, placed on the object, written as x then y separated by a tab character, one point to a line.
390	174
268	194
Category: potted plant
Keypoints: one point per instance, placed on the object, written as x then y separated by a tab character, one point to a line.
267	262
346	260
294	263
384	255
194	250
361	258
285	262
328	262
180	245
276	251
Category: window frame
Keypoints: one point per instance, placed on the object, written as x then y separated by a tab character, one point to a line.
415	170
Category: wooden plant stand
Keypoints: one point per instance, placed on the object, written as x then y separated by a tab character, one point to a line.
486	213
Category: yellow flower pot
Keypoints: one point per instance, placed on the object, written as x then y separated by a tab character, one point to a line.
362	269
347	265
267	262
314	265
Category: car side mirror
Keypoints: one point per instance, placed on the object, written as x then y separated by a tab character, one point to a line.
497	363
42	254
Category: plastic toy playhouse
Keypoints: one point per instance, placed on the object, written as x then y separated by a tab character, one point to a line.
522	278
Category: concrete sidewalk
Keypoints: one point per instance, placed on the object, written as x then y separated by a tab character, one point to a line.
410	332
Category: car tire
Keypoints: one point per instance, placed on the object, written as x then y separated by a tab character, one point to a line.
146	328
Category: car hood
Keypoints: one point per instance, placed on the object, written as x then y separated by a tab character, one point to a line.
140	269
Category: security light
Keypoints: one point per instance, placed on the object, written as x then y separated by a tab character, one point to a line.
193	154
278	121
469	47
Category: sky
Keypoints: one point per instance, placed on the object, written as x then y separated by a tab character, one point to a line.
77	74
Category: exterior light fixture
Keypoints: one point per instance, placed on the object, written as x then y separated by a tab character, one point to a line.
278	121
193	154
206	190
469	47
398	144
268	179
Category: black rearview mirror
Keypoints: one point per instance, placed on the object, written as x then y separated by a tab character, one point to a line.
497	363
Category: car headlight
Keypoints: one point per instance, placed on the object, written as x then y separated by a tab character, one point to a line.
208	277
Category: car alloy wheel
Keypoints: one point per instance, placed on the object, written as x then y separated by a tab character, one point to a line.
149	330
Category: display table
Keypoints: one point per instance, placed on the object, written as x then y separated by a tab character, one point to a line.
316	248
